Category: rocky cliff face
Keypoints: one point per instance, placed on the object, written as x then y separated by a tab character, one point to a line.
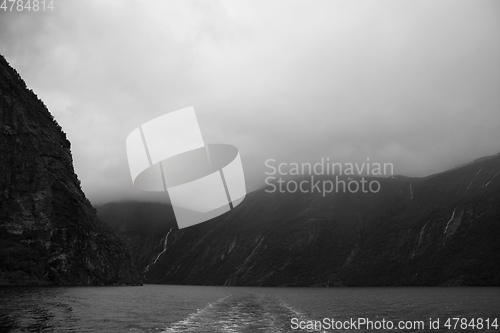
438	230
49	232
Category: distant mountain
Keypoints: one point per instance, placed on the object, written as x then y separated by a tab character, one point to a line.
49	231
438	230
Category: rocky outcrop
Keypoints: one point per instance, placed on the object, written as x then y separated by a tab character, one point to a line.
49	231
438	230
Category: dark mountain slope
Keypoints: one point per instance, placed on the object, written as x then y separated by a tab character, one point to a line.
448	235
49	232
438	230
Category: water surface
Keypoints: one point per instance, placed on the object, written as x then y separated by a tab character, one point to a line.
164	308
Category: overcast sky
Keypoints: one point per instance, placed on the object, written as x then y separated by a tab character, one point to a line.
413	83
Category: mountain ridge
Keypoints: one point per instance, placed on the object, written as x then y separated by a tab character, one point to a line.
438	230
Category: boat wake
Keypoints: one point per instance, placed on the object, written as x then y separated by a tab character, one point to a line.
240	314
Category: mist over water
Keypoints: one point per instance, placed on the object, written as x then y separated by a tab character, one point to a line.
169	309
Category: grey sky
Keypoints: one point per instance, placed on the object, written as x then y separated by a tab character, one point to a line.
413	83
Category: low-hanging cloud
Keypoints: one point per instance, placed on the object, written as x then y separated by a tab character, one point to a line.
411	83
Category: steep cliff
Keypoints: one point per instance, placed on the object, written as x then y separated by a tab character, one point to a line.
49	231
438	230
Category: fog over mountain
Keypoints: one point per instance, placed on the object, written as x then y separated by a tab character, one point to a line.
414	84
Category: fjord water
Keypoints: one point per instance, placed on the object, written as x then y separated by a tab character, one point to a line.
165	308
